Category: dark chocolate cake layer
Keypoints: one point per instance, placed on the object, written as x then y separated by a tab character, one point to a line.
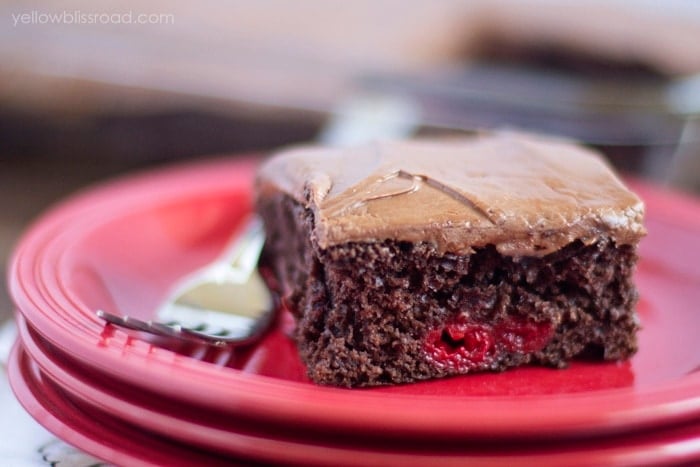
392	312
413	260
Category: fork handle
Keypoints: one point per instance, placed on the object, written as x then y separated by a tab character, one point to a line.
244	250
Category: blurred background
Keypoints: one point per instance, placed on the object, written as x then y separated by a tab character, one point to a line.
89	90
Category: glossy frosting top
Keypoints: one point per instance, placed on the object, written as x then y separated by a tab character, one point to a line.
524	194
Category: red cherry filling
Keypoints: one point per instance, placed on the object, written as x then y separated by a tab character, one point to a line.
523	336
463	345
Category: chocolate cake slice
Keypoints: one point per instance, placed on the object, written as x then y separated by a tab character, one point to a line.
404	261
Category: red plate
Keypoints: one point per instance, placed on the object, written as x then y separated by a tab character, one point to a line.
118	248
94	434
73	397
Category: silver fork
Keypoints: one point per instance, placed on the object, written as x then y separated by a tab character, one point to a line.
226	303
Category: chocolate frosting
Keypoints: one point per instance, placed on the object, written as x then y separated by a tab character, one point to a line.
526	195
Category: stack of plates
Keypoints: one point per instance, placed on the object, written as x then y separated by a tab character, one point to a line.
119	246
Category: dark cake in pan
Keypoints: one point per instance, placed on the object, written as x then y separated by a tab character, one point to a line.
405	261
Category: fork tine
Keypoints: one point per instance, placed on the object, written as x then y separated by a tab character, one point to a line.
159	329
210	339
125	321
